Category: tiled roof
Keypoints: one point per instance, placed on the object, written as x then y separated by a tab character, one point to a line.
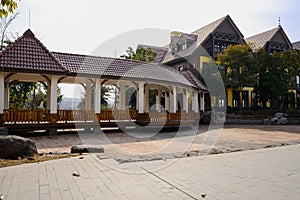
193	79
260	40
161	51
113	67
296	45
28	54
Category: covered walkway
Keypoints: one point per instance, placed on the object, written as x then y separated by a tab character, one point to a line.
179	101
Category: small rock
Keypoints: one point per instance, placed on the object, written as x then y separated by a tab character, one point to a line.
3	130
283	121
87	149
1	197
203	195
30	158
76	174
80	158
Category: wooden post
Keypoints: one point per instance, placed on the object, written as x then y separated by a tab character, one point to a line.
1	99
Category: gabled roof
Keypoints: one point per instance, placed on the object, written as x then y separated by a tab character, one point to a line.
296	45
28	54
202	35
161	51
260	40
193	79
104	67
204	32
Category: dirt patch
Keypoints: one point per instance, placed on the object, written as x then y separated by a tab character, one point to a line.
34	159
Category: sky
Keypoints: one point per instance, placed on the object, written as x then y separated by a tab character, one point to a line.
86	26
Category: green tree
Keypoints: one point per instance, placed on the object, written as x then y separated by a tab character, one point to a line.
29	95
237	61
276	76
20	94
104	97
7	6
140	54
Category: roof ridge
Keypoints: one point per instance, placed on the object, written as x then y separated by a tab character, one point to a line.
103	57
218	20
264	32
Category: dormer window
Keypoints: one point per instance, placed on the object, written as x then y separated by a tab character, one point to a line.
174	48
183	44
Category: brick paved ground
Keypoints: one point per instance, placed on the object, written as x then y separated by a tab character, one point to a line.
272	173
231	138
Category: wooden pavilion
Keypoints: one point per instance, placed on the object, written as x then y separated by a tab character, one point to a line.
28	60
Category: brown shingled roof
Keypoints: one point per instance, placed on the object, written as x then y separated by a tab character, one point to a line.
104	67
161	51
28	54
193	79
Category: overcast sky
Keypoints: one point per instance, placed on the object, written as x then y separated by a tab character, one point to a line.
82	26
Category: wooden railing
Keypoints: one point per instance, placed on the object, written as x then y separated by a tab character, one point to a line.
76	116
25	116
118	115
71	116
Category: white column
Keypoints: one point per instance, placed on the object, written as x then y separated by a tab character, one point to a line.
1	93
202	101
141	97
97	96
53	95
146	101
137	98
196	102
167	101
173	100
6	95
157	101
88	95
122	96
185	100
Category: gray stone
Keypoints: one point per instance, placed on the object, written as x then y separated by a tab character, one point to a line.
280	115
14	147
3	130
87	149
283	121
274	120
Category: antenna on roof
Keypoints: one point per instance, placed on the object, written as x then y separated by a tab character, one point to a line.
29	19
279	21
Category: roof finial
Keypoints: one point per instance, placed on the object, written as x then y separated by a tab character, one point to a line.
29	19
279	21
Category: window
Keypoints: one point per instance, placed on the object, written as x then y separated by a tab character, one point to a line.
183	46
196	65
297	81
221	103
220	47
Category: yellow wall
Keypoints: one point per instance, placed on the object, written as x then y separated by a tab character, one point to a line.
229	97
204	59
